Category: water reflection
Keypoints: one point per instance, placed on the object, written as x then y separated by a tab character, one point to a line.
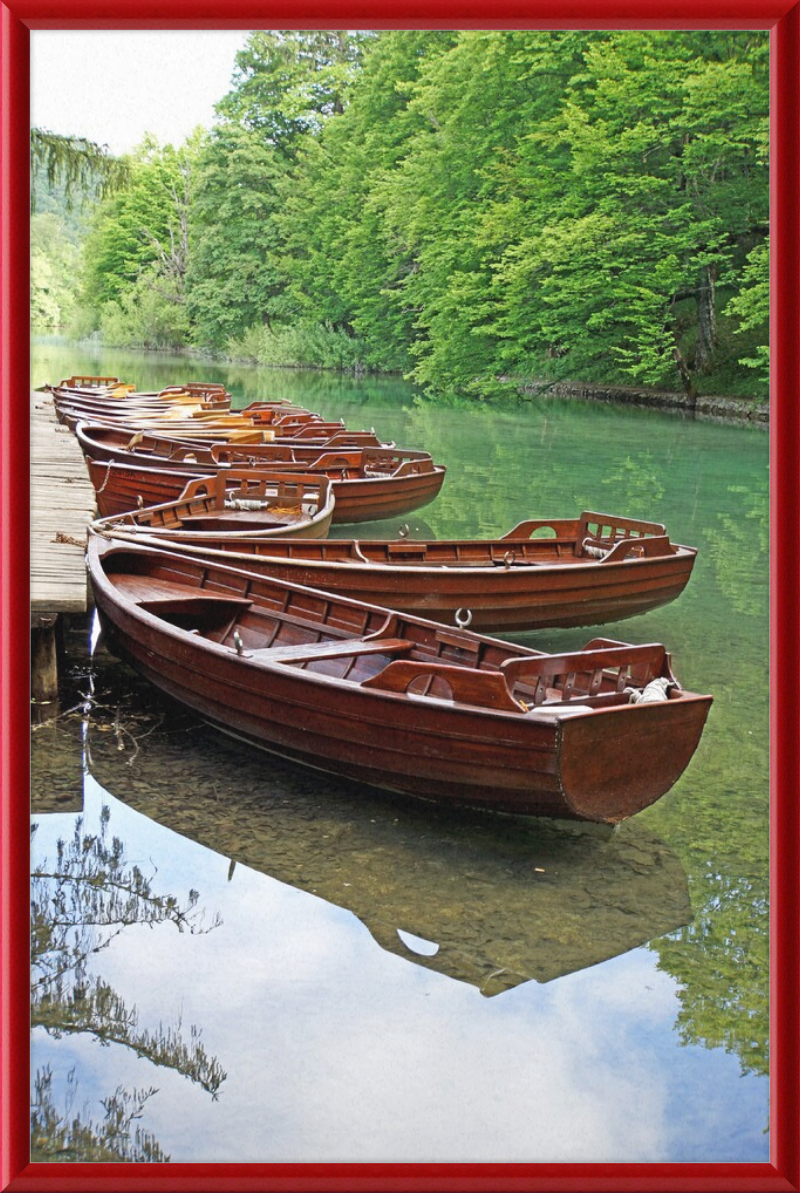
83	897
739	547
721	963
492	901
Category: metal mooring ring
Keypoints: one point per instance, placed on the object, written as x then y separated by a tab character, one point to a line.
463	618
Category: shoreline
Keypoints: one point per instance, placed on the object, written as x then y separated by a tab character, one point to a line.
708	407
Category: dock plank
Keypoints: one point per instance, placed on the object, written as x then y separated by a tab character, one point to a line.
62	506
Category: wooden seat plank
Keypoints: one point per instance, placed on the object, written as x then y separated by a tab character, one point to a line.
312	651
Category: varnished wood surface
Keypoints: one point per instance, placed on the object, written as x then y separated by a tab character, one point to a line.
362	498
394	701
505	584
62	506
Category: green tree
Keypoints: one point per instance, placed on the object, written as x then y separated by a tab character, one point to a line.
234	278
285	87
343	263
74	164
55	262
286	84
139	244
751	306
663	186
461	193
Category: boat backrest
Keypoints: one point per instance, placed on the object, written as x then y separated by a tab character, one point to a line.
464	685
242	455
585	672
88	382
607	528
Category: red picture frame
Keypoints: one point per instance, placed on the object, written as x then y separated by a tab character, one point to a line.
783	21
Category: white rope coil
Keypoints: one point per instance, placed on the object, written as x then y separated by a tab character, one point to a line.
657	689
244	503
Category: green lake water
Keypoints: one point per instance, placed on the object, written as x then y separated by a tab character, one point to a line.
390	982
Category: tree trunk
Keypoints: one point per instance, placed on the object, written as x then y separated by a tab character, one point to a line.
686	376
706	318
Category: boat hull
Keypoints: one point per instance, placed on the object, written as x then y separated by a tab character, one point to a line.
436	749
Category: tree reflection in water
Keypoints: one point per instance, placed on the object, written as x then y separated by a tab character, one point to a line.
79	904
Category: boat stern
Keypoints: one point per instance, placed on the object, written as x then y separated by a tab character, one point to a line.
611	771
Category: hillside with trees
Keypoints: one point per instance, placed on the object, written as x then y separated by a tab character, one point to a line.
476	210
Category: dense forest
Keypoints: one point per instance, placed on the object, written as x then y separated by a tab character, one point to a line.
475	210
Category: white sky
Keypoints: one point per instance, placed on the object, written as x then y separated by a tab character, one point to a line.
113	86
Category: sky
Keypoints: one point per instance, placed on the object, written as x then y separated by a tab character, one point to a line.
162	82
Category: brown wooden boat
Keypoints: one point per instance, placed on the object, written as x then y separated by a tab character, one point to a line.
397	702
105	400
589	570
195	414
368	483
201	443
235	505
113	394
165	416
86	383
113	387
163	439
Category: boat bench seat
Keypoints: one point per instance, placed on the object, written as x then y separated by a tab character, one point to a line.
152	590
213	614
312	651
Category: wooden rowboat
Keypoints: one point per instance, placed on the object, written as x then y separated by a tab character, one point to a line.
114	395
114	388
590	570
203	445
116	439
109	386
367	485
235	506
164	416
199	416
397	702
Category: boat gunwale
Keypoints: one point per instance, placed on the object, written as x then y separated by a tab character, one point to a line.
681	554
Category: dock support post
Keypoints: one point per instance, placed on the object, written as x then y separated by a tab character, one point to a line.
44	657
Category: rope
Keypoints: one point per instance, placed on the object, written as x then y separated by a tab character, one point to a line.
657	689
244	503
105	479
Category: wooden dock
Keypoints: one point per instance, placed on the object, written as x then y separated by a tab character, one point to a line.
62	506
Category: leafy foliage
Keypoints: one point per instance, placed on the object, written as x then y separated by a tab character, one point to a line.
751	305
74	165
140	237
234	279
80	903
288	83
55	261
67	1136
477	209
